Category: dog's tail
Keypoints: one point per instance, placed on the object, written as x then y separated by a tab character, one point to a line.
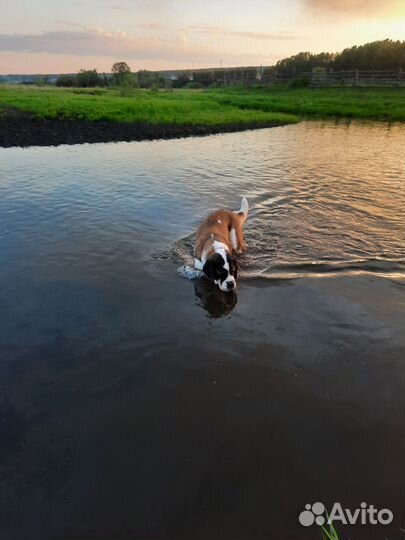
244	208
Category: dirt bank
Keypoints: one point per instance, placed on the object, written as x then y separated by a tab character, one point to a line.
18	128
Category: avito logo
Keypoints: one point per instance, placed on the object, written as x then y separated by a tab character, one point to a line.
367	514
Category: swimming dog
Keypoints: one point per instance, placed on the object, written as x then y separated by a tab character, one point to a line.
218	238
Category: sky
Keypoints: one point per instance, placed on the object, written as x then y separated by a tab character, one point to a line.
63	36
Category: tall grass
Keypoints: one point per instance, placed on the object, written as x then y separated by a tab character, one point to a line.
373	103
210	107
183	107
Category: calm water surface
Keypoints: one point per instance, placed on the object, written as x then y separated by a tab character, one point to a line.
135	403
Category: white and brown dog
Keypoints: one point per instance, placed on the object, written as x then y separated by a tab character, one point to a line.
218	238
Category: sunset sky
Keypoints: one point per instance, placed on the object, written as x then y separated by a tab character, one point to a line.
56	36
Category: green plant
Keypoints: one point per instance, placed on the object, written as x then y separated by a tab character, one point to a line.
330	534
127	84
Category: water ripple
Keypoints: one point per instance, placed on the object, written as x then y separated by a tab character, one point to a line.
325	198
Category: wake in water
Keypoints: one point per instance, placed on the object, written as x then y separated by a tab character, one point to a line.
332	207
264	264
189	272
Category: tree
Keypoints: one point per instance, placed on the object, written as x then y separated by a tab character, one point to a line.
120	70
377	55
88	78
66	80
127	84
147	79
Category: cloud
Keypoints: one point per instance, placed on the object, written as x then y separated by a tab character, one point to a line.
218	30
65	22
152	26
98	42
362	8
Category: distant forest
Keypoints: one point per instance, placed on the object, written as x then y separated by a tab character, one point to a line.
378	55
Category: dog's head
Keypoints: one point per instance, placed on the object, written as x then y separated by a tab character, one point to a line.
223	270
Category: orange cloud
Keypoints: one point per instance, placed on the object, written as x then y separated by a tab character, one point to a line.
363	8
217	30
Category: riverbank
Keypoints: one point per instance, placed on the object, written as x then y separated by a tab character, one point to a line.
18	128
53	116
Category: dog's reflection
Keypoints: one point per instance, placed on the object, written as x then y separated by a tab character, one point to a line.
212	299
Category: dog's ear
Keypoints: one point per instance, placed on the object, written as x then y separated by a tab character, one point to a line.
233	266
211	266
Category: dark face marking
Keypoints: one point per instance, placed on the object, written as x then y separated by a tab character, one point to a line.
214	268
223	272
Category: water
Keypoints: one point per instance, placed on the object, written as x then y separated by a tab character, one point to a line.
139	404
324	197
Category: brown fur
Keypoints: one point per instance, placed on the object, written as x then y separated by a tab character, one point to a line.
217	226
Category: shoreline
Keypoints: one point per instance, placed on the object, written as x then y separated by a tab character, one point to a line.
21	129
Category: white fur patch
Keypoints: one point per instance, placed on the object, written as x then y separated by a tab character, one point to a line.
219	221
221	249
223	286
232	238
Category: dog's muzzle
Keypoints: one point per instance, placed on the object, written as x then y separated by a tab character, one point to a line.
228	285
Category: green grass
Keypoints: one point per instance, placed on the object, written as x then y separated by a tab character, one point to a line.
184	107
372	103
210	107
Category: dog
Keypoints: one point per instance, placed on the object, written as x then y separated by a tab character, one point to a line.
218	238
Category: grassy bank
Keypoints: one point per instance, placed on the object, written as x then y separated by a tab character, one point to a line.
207	108
50	116
372	103
189	108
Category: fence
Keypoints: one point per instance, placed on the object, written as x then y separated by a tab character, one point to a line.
340	78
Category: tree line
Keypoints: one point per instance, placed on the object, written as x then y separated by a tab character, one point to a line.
121	77
378	55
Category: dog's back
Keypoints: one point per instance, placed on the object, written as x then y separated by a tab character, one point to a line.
224	226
